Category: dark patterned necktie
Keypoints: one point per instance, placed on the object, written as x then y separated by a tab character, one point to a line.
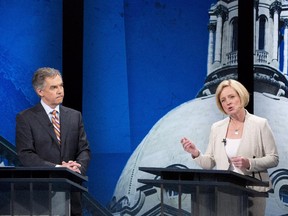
56	125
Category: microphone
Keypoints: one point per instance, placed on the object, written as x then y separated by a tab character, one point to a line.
224	141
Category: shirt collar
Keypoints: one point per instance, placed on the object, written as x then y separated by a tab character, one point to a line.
48	109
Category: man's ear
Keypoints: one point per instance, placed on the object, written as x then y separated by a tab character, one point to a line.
39	92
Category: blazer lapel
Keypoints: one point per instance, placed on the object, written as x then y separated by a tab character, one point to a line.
223	133
245	147
223	130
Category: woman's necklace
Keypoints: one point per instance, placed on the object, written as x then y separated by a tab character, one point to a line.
236	129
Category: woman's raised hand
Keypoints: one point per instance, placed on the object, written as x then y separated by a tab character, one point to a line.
190	147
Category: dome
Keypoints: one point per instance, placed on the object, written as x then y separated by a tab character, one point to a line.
161	148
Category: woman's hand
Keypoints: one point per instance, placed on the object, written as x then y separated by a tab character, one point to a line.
240	162
190	147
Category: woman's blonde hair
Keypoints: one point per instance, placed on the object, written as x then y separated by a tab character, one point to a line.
238	87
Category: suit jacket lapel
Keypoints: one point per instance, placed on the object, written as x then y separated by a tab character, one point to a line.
44	120
64	122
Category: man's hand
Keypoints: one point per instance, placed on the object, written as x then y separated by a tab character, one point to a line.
72	165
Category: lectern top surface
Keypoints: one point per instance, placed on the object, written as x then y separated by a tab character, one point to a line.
201	174
41	172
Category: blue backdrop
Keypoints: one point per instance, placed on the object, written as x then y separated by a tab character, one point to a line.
30	37
141	59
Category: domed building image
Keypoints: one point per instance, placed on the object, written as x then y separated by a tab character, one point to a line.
161	146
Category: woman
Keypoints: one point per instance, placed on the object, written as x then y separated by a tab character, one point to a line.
241	142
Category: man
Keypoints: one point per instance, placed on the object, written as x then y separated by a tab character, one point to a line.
42	142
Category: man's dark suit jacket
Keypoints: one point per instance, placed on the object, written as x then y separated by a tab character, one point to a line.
37	144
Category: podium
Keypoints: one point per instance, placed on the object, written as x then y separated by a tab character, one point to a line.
212	192
37	190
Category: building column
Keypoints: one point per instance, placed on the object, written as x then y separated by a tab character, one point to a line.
256	31
221	13
275	10
211	28
285	50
